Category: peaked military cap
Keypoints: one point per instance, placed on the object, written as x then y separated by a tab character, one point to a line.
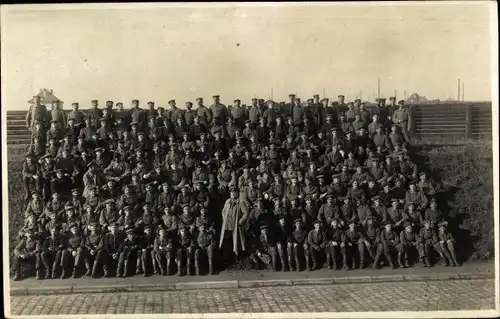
215	96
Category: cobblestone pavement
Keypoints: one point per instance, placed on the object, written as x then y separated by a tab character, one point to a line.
412	296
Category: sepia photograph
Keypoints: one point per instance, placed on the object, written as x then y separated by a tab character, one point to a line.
250	160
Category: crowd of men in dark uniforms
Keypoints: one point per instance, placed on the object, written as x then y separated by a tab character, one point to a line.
288	186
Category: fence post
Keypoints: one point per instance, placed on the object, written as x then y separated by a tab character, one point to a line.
468	121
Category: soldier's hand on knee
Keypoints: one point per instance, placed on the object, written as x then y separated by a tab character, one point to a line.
73	253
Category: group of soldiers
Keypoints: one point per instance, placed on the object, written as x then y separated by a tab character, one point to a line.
289	186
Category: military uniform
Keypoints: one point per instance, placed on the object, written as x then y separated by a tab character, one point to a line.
317	243
27	250
206	245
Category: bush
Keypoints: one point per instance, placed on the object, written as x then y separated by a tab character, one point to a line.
466	172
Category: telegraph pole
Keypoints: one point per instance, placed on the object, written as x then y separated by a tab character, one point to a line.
458	97
378	88
463	90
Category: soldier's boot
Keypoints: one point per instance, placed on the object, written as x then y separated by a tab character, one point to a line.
290	264
454	258
210	266
197	266
73	274
48	272
160	265
362	260
297	263
144	269
106	271
125	269
17	274
376	261
189	269
155	266
423	261
119	270
94	269
168	267
88	271
38	277
329	261
445	257
54	269
405	259
63	273
401	257
138	266
284	265
389	259
179	268
308	263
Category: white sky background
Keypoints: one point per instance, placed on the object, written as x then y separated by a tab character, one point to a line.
184	52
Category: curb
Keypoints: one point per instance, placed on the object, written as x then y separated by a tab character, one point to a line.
235	284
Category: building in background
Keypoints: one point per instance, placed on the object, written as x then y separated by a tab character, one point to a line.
47	98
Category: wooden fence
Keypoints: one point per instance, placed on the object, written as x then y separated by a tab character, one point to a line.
430	121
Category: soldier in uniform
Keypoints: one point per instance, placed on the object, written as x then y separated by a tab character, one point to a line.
317	244
163	249
446	244
111	245
93	252
52	253
146	245
203	112
427	239
408	243
128	250
206	246
355	247
31	176
94	114
300	245
27	251
266	247
336	245
75	247
37	113
185	251
389	240
59	116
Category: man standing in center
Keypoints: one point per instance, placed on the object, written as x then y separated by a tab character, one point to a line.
234	221
219	110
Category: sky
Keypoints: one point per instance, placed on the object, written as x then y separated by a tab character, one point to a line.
156	52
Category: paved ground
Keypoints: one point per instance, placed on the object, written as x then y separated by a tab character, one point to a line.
412	296
263	275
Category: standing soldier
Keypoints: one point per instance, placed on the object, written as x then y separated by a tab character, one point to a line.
59	116
402	118
238	114
203	112
31	176
76	115
219	110
27	251
299	244
206	245
94	114
189	114
37	113
284	243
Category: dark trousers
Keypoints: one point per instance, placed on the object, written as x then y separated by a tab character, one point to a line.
228	256
29	259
